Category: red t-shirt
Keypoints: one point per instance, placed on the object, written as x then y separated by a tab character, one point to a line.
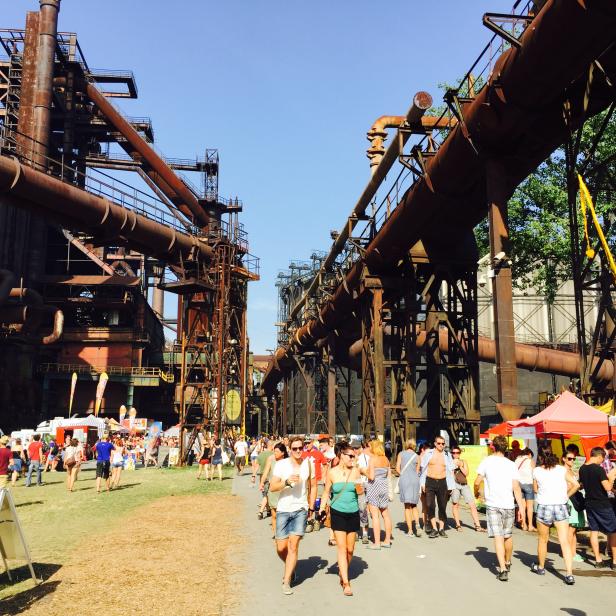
319	460
34	451
5	457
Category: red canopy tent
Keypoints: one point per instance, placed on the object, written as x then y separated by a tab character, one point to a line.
502	429
567	415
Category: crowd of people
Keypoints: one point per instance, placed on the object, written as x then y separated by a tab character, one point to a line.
29	461
348	486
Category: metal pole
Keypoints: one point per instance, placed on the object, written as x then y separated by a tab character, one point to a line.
244	369
182	396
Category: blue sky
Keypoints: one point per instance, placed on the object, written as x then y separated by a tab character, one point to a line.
285	90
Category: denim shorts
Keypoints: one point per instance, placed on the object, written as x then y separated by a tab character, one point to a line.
291	523
527	491
548	514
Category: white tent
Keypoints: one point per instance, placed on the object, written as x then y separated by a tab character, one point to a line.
90	420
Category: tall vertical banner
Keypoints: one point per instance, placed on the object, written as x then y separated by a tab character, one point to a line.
100	390
72	395
132	414
123	411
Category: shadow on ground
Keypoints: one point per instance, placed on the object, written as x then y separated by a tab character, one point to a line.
24	600
358	566
30	503
309	567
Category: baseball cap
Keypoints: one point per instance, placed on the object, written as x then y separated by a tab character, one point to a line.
356	443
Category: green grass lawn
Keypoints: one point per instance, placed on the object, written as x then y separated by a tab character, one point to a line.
54	521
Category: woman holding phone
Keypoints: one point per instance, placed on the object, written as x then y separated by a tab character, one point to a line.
344	483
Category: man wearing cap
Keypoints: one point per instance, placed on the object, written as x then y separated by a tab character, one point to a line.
5	459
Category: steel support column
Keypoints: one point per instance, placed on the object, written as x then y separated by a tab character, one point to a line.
498	190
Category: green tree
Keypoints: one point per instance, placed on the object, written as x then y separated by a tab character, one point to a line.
539	212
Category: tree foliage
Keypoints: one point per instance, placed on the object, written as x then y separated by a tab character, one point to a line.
539	212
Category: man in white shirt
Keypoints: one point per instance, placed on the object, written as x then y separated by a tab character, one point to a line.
240	448
296	482
501	484
326	448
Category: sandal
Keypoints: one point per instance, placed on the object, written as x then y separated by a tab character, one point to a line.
459	528
331	543
346	590
479	528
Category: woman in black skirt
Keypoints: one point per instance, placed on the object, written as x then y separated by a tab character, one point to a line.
344	482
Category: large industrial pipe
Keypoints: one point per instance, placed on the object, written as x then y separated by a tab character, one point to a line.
527	357
83	211
48	33
171	184
517	117
58	326
6	284
378	133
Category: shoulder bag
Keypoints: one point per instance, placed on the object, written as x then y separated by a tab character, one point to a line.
459	477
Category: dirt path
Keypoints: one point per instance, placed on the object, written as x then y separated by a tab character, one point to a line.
172	556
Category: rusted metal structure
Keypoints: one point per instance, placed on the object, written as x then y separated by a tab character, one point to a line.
502	131
92	248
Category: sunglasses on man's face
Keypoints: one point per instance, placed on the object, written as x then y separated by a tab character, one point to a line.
455	453
349	455
296	448
439	443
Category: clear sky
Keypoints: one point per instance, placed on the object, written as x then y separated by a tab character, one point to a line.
286	91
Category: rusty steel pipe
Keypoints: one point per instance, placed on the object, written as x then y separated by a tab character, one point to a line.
422	101
524	91
528	357
14	314
89	213
7	279
171	184
378	133
43	84
58	326
27	296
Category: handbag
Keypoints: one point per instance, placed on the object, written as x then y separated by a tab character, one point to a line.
397	486
460	477
578	500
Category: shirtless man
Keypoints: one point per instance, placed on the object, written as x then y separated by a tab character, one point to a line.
437	481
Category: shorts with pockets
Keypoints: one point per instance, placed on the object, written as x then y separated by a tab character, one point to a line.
462	491
291	523
500	522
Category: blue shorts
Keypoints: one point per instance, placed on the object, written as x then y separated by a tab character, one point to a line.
548	514
527	491
15	465
291	523
602	520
